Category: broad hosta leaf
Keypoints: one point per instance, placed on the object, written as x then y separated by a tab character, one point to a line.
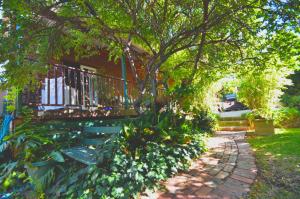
6	169
41	163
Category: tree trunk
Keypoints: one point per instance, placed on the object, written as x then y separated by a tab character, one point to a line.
154	97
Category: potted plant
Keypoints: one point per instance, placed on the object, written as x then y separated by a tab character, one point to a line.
261	125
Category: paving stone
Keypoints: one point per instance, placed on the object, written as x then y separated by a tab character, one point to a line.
207	154
226	156
211	184
243	145
223	193
248	158
199	179
197	184
203	191
172	189
222	175
241	178
245	173
219	155
205	176
246	161
245	154
184	196
210	161
253	170
218	149
234	149
220	166
232	158
207	168
183	190
246	165
194	172
229	192
214	171
196	165
231	163
228	148
224	159
218	181
228	168
236	183
176	180
166	196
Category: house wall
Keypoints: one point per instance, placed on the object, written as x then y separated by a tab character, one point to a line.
58	92
103	65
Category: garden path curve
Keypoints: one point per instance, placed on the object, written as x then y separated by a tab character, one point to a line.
225	171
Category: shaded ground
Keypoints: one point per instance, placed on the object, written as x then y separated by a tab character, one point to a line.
278	161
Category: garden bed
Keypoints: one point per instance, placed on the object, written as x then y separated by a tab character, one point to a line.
137	159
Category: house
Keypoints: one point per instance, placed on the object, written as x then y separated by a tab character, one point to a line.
88	87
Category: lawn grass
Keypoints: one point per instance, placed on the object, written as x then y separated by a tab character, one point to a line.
278	161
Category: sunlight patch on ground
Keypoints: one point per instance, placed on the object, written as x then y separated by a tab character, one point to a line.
278	161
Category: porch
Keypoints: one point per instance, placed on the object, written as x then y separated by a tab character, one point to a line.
80	92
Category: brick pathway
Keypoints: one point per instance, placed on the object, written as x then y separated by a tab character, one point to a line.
226	171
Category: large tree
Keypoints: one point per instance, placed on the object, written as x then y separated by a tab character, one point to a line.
213	34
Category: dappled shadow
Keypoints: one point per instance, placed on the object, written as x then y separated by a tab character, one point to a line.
283	143
278	159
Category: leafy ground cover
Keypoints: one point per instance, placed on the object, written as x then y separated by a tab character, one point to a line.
142	155
278	160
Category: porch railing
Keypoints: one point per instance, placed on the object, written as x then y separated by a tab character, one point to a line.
72	87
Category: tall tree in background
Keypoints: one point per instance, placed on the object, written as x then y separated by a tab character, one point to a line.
213	35
291	97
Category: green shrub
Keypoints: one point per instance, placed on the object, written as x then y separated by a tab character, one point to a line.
287	117
205	121
261	90
291	101
128	176
140	157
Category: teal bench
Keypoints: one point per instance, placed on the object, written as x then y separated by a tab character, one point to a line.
88	152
